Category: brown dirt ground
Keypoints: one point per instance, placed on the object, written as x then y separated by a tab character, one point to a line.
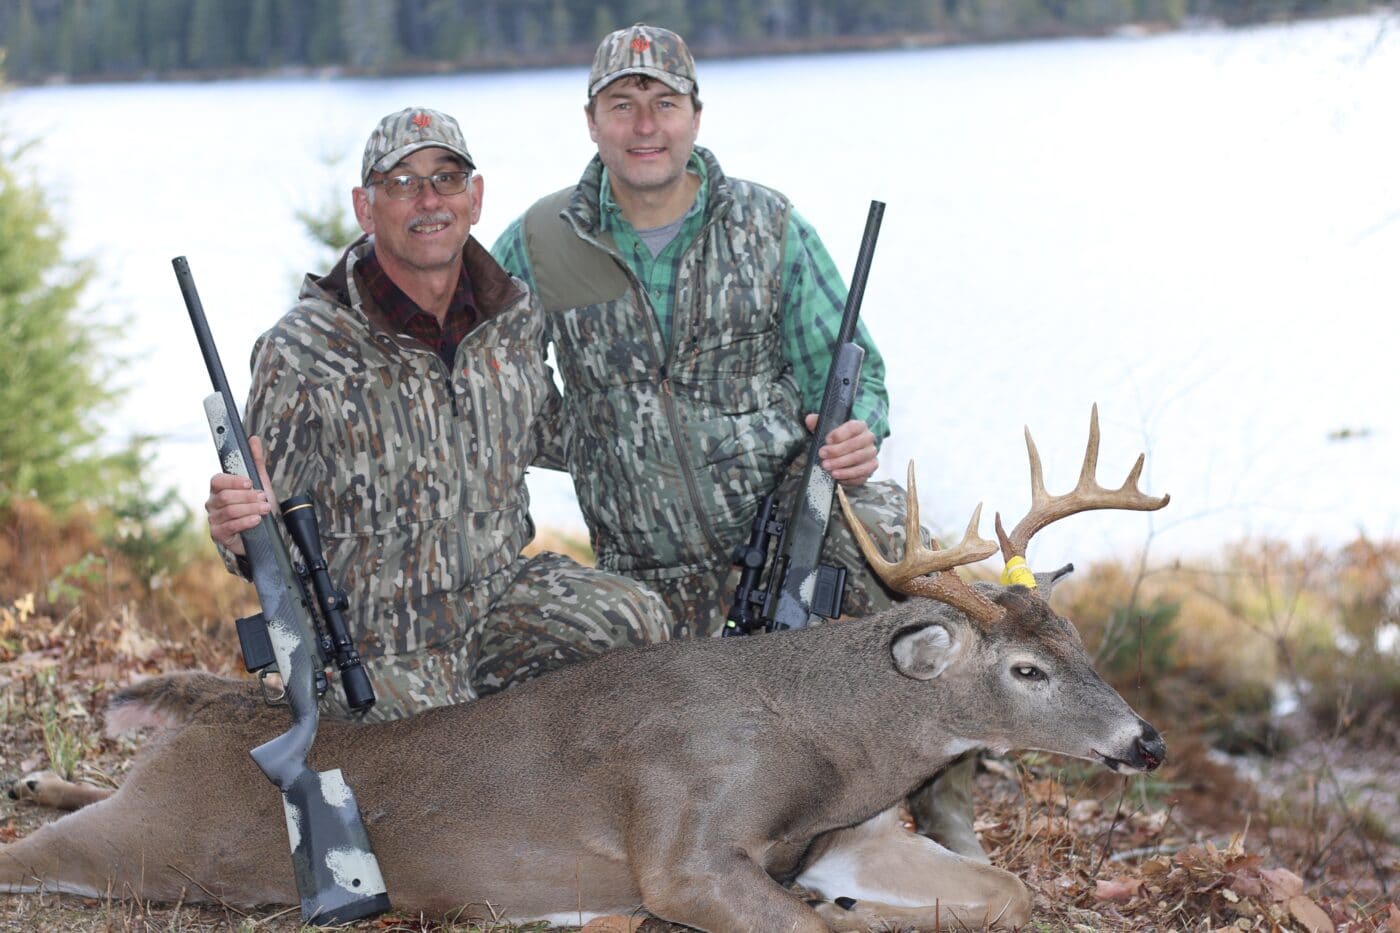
1310	842
1099	852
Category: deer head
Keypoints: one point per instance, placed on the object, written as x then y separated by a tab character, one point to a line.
1017	670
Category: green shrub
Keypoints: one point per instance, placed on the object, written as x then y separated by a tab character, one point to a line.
1140	641
53	383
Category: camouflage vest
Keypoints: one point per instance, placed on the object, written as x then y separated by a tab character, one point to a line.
418	471
670	448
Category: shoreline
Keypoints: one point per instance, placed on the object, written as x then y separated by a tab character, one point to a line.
580	56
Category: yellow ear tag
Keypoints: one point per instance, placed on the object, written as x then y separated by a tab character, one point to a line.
1017	572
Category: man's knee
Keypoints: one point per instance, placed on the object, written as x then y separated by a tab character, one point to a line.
881	507
559	613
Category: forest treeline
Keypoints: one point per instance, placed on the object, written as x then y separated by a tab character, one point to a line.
141	39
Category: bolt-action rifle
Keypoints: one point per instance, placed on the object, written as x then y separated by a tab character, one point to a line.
798	585
337	874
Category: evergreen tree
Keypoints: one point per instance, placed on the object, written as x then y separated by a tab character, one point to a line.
116	47
214	32
257	41
52	386
102	38
23	55
162	38
369	34
324	44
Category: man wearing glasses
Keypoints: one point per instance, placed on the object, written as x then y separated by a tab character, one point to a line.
406	393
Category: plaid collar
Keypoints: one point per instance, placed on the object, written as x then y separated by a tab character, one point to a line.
405	316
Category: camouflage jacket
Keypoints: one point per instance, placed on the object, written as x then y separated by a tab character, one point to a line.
418	472
671	446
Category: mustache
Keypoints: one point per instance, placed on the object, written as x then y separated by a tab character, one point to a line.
437	217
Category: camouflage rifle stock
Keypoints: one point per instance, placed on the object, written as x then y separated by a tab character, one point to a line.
799	586
337	874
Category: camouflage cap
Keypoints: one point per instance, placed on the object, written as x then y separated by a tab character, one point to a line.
643	50
401	134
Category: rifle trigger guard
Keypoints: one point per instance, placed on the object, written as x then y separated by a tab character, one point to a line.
280	698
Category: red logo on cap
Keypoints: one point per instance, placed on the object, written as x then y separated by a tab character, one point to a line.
641	44
422	121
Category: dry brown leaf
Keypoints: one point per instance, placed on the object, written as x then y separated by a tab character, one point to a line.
1082	811
102	672
1150	822
1200	857
1119	890
1313	918
1238	861
613	923
1044	825
1157	865
1046	791
1282	883
1248	884
1392	919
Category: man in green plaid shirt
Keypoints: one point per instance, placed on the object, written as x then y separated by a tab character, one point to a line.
693	317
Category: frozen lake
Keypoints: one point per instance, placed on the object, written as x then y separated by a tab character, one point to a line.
1198	231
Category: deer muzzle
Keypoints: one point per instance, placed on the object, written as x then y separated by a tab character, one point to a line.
1146	753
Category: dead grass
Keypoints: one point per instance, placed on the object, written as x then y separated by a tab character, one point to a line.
1310	844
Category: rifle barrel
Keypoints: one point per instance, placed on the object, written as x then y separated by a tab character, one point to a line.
210	351
856	294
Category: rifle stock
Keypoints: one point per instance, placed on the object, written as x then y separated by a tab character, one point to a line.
337	874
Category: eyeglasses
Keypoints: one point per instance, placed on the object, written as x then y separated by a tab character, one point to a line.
403	187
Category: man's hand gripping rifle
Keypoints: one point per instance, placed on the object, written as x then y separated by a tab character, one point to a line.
337	874
798	586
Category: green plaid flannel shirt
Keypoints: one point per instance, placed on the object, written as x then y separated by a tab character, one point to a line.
813	296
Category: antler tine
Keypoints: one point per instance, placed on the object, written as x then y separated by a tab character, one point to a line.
1086	496
927	571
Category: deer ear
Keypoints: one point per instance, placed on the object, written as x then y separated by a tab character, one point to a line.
1045	582
923	653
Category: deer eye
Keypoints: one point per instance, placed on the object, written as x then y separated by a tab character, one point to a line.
1028	672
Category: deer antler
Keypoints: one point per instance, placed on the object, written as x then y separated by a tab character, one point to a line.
1085	497
924	571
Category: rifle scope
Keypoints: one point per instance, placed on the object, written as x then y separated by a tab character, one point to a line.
299	514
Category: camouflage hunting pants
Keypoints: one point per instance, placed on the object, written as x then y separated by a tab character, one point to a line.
556	612
700	601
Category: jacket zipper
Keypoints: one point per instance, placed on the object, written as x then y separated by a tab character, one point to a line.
668	402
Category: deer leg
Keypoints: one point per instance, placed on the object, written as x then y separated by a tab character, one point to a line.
942	808
124	847
65	857
879	871
723	894
47	789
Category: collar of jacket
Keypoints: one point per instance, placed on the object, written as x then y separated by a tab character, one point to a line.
493	287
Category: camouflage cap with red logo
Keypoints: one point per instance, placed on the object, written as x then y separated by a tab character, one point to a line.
643	50
401	134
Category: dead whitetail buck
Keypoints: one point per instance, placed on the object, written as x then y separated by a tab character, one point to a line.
693	779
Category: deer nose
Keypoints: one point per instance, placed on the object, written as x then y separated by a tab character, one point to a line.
1148	748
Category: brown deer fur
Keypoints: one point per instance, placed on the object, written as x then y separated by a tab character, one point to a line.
693	779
